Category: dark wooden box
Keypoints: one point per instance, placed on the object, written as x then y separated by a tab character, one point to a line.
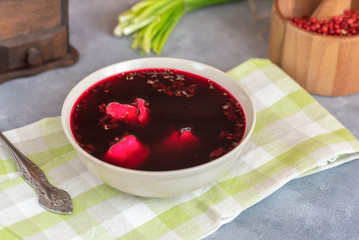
34	37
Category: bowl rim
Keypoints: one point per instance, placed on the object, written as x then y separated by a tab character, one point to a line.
169	173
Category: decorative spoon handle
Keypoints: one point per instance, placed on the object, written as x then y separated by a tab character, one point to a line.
330	8
50	197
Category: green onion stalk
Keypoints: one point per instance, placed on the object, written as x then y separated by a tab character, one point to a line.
152	21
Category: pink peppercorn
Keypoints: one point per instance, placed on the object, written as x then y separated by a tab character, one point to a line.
346	24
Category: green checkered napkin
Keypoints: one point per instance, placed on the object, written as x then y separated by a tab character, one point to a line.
294	136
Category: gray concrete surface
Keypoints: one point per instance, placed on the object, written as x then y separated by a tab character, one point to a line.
321	206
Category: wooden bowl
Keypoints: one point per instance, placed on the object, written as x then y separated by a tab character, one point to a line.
323	65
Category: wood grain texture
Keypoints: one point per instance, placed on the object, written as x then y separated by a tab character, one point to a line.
323	65
19	17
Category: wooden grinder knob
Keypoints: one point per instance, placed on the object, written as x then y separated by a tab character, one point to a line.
34	57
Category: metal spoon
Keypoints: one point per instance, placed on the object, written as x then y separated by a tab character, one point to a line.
51	198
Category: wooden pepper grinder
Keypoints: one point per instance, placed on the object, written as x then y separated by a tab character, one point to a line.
34	37
329	8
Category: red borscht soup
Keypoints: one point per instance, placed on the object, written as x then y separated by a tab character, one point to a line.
157	120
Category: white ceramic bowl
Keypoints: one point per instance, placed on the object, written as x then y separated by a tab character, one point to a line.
159	183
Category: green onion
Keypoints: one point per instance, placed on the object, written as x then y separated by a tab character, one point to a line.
152	21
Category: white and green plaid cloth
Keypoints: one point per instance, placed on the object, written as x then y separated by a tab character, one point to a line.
294	136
